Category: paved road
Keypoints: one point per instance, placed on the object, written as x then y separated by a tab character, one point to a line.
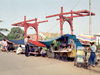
12	64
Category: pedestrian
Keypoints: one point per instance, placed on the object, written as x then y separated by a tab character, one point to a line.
26	46
92	57
4	44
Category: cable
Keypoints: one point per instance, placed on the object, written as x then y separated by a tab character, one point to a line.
77	3
52	27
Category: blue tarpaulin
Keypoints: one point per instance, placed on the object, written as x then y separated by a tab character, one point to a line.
31	42
77	42
48	42
19	42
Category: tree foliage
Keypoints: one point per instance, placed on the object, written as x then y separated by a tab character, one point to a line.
16	33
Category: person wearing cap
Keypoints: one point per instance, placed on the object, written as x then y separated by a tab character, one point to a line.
92	55
26	46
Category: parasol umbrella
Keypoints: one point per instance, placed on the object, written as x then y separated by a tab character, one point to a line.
86	38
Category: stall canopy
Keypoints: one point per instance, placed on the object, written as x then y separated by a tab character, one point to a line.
36	43
50	41
18	41
86	38
77	42
31	42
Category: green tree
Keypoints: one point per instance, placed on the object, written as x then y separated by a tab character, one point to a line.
16	33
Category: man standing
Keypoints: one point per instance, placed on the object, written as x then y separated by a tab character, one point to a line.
92	55
26	46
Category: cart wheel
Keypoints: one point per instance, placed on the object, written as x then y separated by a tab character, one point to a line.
79	65
75	64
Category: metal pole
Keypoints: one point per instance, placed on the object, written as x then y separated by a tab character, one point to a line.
90	25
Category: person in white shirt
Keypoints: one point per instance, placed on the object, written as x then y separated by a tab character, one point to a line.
26	40
19	50
26	46
92	55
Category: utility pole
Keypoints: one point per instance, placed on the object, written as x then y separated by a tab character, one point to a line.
90	24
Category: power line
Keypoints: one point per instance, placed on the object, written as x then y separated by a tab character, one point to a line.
52	27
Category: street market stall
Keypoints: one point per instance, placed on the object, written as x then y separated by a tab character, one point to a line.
32	44
63	47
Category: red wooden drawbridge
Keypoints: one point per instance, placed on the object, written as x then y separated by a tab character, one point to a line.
26	25
69	19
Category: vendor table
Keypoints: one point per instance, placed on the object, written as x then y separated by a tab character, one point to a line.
61	54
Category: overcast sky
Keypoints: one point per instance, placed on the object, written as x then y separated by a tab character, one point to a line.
12	11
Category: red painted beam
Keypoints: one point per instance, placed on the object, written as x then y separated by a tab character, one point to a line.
69	17
32	24
18	25
78	16
73	12
52	15
81	11
25	21
42	21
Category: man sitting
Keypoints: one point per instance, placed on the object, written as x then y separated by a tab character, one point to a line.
19	50
43	52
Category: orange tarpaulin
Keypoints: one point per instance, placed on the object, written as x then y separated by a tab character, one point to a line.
36	43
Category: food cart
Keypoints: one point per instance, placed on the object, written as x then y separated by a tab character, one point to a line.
80	57
62	47
66	47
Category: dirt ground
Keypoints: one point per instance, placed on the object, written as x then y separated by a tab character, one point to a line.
12	64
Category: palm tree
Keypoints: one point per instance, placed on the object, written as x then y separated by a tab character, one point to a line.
0	20
1	34
3	29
